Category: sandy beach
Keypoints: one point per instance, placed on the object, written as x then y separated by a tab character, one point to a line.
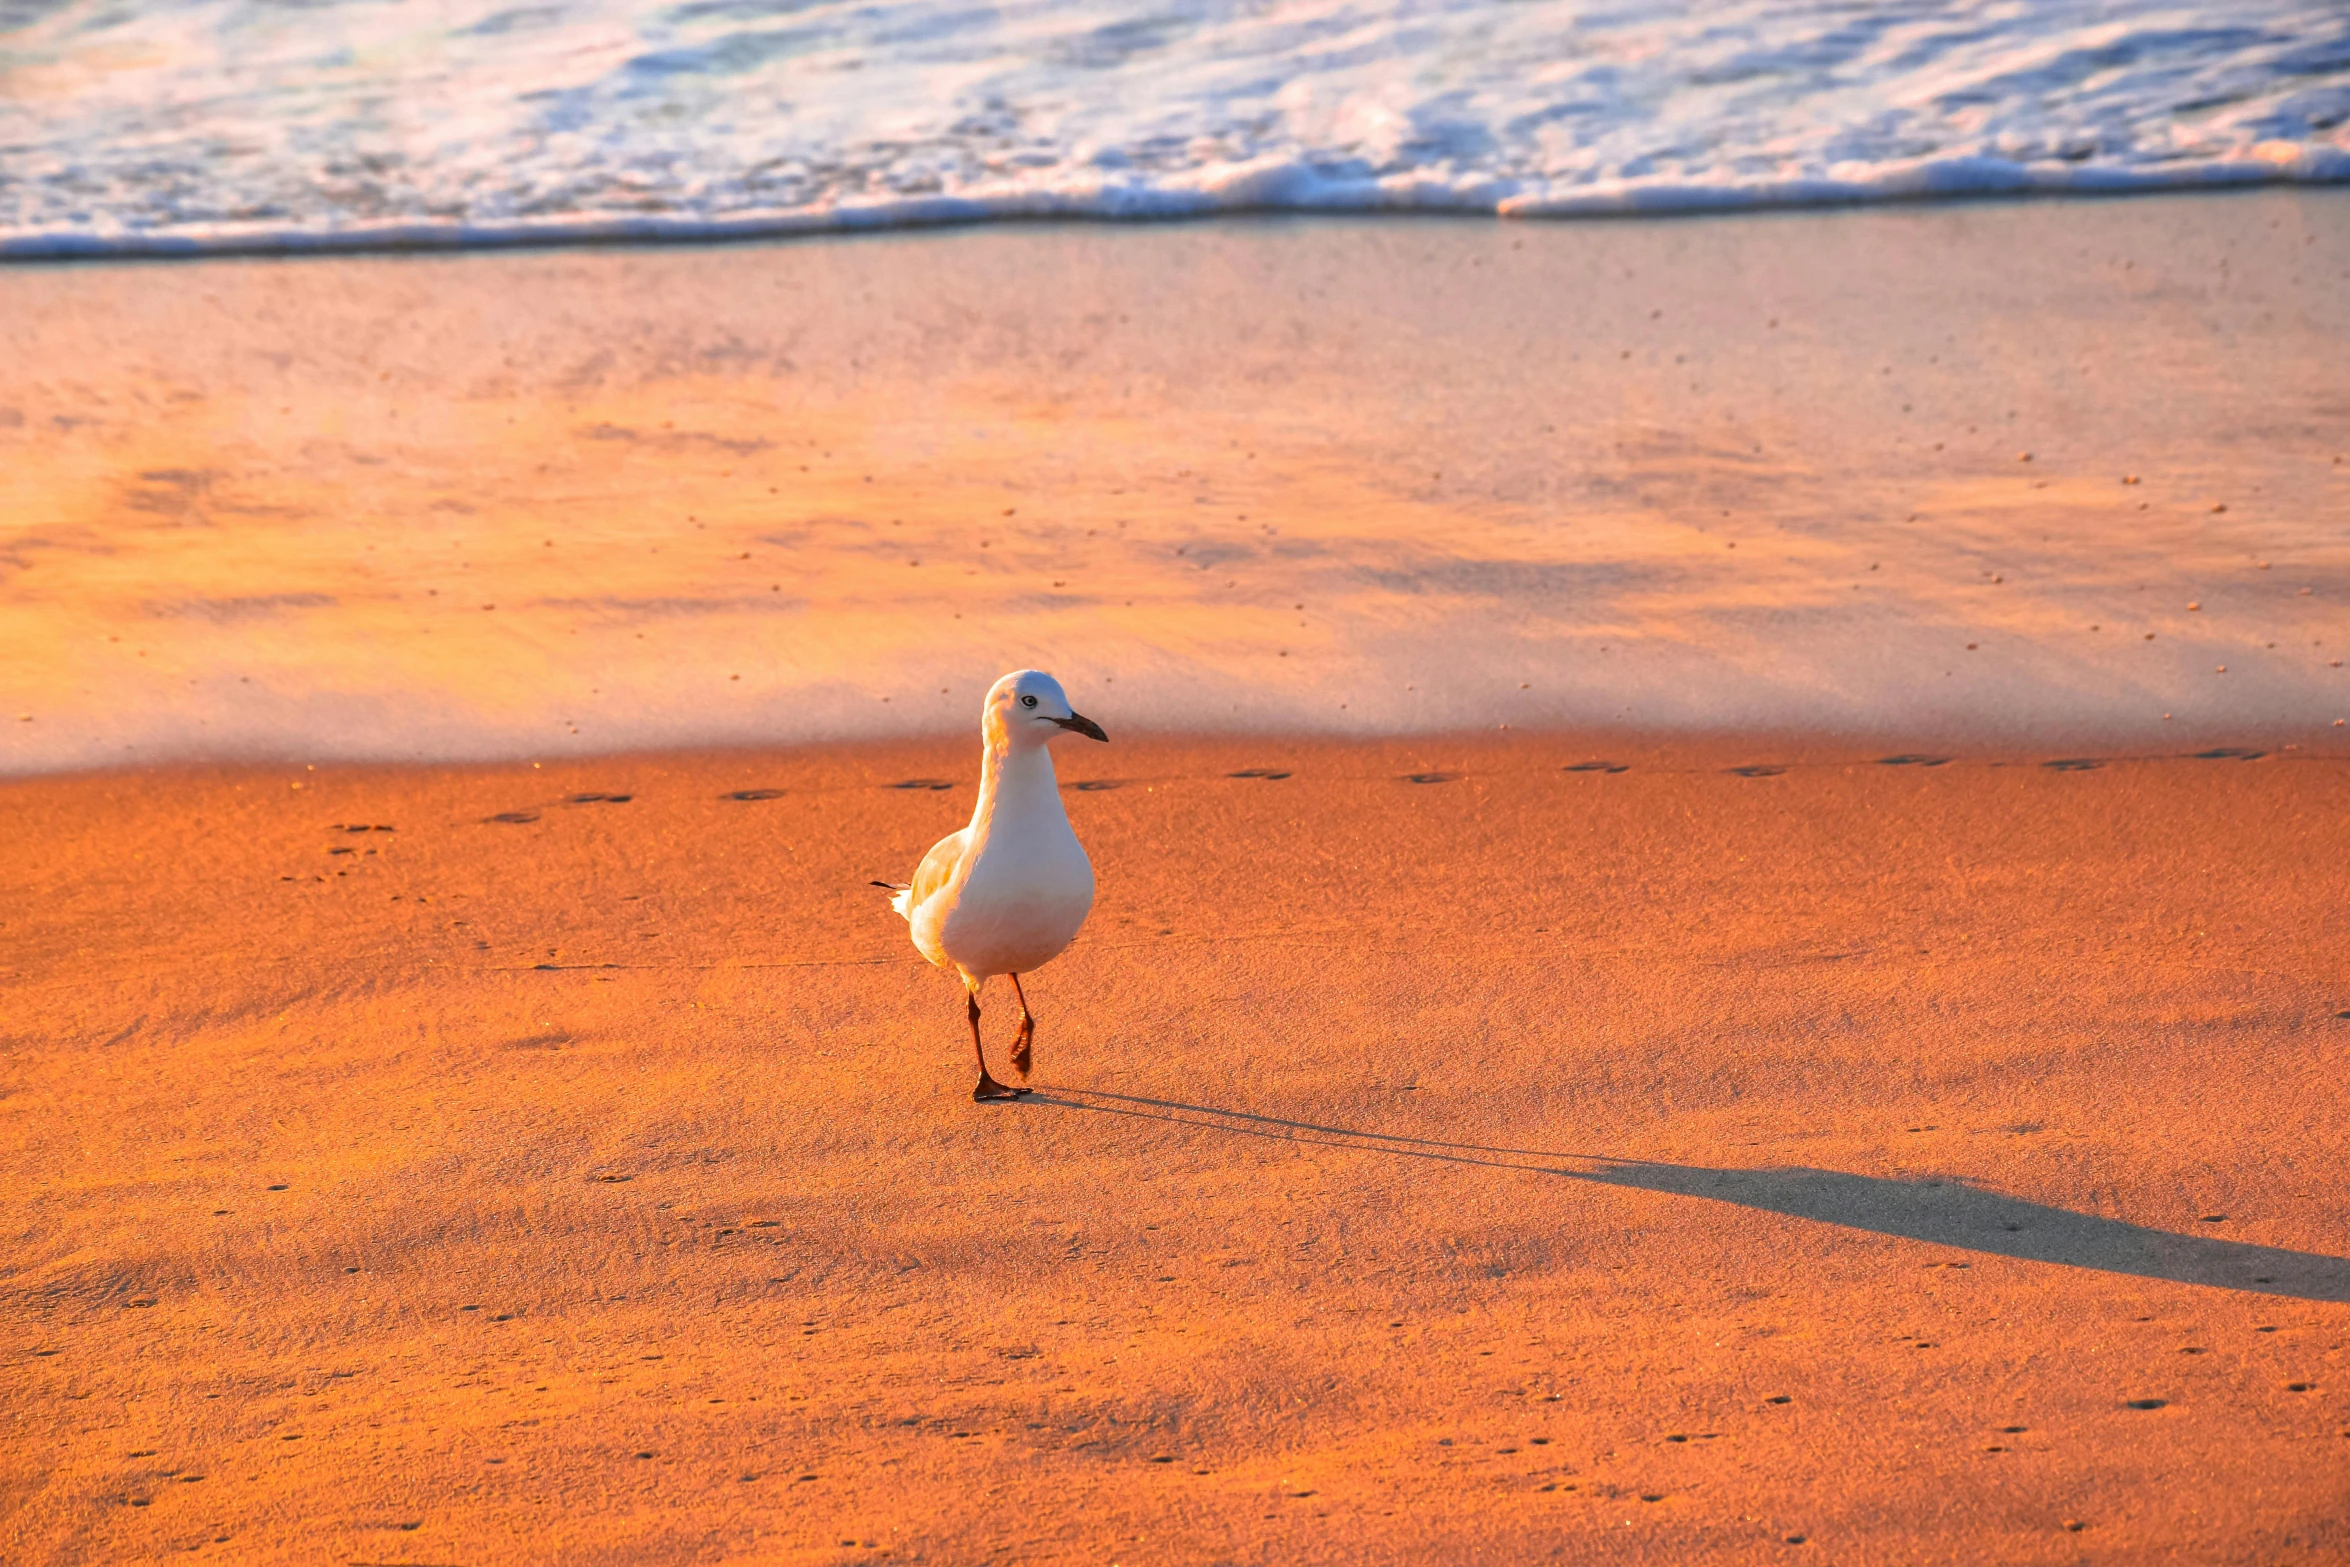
1764	473
1721	932
1443	1149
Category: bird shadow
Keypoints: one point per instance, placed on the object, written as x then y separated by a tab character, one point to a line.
1944	1212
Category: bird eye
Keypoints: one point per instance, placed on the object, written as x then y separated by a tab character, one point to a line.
1028	701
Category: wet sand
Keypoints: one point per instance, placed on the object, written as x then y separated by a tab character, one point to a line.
1930	1161
1749	474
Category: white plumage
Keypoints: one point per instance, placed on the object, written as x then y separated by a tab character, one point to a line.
1011	890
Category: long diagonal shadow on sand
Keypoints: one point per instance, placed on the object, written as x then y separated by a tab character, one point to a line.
1944	1212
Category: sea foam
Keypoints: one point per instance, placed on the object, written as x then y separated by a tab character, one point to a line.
252	124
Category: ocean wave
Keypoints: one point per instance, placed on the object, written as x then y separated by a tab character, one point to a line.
254	125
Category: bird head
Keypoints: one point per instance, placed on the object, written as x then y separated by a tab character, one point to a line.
1029	708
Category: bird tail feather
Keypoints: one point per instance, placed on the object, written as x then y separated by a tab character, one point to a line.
903	901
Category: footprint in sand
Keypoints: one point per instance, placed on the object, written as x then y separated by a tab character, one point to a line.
513	816
2229	753
1425	778
601	799
1096	785
1596	767
2146	1403
1911	759
754	794
922	783
2074	764
1756	770
1266	773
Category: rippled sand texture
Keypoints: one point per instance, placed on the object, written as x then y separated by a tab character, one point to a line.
2050	469
1932	1162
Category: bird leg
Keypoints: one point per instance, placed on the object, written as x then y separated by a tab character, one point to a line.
988	1087
1027	1035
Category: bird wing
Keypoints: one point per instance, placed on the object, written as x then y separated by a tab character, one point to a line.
936	870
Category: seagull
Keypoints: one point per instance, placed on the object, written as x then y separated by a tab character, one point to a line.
1011	890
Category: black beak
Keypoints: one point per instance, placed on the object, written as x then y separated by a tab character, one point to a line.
1083	725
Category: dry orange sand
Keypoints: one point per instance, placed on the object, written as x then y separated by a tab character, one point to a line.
1919	1163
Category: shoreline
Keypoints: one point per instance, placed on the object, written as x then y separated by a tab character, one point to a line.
69	250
